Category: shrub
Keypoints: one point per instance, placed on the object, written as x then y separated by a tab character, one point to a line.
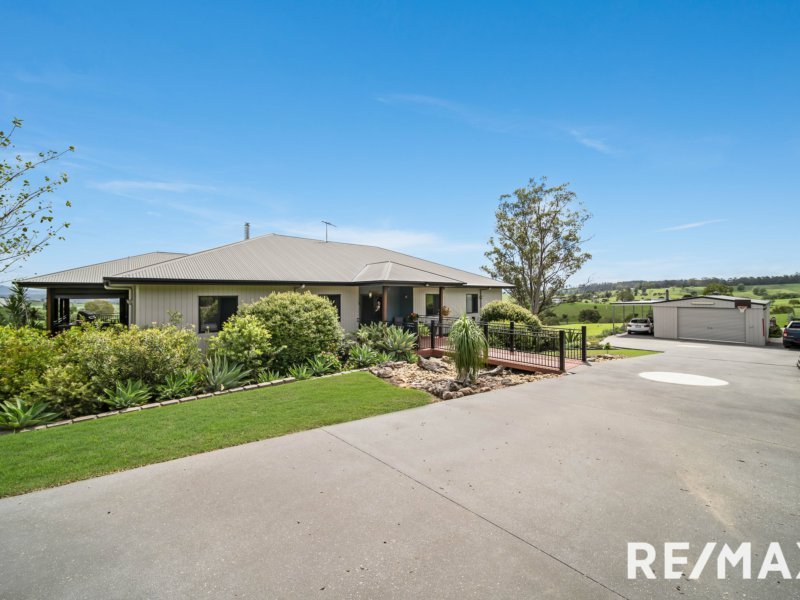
131	392
267	375
67	388
371	334
221	374
303	323
180	385
794	301
18	414
244	339
25	354
300	372
398	343
502	310
362	356
589	315
324	363
470	348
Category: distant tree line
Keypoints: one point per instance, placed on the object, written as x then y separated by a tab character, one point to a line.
692	282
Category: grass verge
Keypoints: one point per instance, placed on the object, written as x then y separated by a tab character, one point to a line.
626	352
50	457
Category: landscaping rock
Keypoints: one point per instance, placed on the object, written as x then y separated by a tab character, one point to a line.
109	413
131	409
151	405
59	423
451	395
86	418
169	402
186	399
382	372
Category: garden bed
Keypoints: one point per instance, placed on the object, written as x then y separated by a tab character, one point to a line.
437	376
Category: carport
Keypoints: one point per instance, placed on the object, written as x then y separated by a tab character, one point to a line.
713	319
639	308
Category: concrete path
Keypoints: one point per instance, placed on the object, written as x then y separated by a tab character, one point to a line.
528	492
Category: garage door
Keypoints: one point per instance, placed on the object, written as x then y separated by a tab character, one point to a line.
714	324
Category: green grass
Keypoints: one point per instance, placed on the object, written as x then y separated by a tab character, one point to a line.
50	457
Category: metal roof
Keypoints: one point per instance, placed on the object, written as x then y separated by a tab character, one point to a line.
274	258
719	297
94	274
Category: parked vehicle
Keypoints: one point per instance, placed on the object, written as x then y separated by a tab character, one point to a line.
640	326
791	334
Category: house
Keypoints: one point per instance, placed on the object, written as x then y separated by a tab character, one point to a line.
365	283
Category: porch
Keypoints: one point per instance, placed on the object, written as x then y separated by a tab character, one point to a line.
68	306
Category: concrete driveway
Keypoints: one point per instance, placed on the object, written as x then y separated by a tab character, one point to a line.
528	492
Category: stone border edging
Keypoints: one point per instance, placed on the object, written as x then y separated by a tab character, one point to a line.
248	387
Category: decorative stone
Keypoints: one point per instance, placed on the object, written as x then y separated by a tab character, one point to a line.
131	409
169	402
107	414
151	405
59	423
187	399
264	384
251	386
208	395
236	389
86	418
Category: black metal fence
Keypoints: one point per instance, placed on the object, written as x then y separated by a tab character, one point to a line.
512	342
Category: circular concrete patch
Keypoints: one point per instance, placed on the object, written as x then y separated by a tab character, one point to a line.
681	378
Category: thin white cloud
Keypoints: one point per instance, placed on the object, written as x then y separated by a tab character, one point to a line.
593	143
127	186
692	225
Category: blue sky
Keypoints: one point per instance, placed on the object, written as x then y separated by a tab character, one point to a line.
403	122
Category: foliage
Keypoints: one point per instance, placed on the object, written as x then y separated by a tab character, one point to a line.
717	288
18	414
589	315
398	343
67	387
18	307
470	348
324	363
362	356
503	310
180	384
25	354
245	339
222	375
300	372
267	375
26	216
538	244
131	392
99	307
303	323
371	334
383	357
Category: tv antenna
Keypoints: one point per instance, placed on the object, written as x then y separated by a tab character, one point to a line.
327	223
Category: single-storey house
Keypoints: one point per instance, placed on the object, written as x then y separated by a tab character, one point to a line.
713	318
365	283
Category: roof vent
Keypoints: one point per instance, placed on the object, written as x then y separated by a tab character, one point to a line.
247	231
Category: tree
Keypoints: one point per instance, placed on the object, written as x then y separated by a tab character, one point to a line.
103	308
625	295
589	315
538	243
26	215
717	288
18	306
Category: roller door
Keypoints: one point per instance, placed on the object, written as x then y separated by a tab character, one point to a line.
712	324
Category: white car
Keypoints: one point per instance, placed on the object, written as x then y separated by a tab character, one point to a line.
640	326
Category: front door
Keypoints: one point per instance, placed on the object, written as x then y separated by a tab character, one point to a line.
371	308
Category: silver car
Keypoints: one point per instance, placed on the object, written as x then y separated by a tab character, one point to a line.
640	326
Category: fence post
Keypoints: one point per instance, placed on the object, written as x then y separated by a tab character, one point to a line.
562	348
486	332
583	343
433	334
511	334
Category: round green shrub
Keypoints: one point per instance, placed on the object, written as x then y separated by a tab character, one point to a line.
245	339
502	310
25	354
304	323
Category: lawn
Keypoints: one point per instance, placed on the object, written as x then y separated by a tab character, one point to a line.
626	352
49	457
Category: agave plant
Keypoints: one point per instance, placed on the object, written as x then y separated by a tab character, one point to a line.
362	356
178	385
322	364
398	343
267	375
16	414
470	349
383	357
300	372
131	392
221	374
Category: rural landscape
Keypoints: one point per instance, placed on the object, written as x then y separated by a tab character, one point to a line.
408	300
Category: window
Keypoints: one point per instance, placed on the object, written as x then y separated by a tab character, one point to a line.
215	310
472	303
336	300
431	305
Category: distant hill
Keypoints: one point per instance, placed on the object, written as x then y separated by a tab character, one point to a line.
33	294
693	282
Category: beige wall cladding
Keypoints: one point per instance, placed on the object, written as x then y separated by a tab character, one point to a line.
153	303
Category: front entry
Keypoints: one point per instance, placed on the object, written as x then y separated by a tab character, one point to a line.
371	308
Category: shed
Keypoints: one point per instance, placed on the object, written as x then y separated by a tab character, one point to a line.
713	318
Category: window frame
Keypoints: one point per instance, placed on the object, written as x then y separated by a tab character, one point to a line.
220	321
436	305
337	303
473	307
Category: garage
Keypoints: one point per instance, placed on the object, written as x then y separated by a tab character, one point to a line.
713	319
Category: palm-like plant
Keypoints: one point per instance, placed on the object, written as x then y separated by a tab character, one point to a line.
398	343
16	414
322	364
300	372
180	384
362	356
470	349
